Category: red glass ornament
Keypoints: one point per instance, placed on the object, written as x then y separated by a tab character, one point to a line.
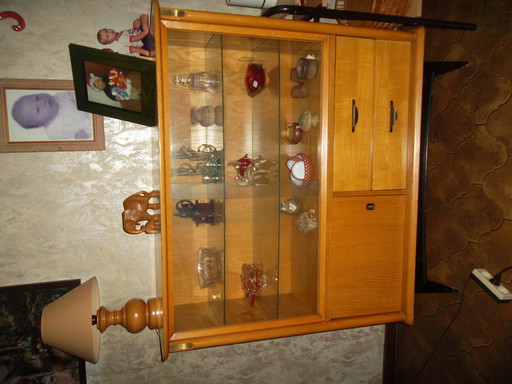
256	79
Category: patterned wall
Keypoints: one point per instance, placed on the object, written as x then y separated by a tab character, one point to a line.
466	337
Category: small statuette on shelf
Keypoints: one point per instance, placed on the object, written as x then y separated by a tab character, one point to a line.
211	169
290	206
292	133
209	163
209	266
256	79
203	152
300	91
185	169
252	171
207	115
200	213
306	221
307	67
199	81
186	152
252	280
308	121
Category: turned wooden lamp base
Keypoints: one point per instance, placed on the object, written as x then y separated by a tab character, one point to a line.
66	322
134	316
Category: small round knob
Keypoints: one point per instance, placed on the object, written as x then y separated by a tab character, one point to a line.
370	206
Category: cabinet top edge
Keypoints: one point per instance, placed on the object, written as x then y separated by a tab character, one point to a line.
237	20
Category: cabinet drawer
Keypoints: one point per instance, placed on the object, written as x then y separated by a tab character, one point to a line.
365	267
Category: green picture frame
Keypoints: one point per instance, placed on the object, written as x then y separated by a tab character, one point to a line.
129	84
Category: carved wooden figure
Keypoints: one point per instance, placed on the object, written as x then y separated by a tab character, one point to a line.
136	219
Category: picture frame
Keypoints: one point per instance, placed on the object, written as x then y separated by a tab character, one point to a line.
85	133
129	84
24	357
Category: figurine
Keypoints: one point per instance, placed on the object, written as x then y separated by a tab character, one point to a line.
292	133
206	115
256	79
306	221
300	91
290	206
308	121
199	81
252	171
252	280
209	266
200	213
135	213
307	67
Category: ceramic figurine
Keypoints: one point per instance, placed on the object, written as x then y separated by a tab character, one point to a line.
206	115
292	133
300	91
307	67
308	121
136	219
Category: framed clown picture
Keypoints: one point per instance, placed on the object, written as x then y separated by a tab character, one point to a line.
114	85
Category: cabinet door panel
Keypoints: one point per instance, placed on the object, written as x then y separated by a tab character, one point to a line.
365	262
392	78
354	100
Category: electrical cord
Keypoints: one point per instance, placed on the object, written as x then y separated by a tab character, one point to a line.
431	356
496	280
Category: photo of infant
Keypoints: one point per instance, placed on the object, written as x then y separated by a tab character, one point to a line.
46	116
42	116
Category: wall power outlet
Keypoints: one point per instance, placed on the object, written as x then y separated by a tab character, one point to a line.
498	292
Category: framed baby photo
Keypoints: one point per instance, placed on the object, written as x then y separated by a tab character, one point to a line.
42	116
114	85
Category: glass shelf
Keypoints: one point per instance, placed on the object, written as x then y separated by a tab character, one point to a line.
229	231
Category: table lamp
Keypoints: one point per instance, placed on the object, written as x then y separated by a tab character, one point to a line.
74	322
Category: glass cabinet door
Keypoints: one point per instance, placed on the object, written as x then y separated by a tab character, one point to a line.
244	172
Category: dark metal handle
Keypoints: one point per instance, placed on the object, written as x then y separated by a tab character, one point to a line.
355	115
370	206
393	116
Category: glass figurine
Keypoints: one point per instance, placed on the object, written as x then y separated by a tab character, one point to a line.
209	266
256	79
199	81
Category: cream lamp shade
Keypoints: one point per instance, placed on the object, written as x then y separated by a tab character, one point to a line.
67	323
74	322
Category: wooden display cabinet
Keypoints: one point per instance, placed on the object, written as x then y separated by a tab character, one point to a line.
219	223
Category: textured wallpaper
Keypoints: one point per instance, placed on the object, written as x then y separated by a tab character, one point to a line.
61	219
